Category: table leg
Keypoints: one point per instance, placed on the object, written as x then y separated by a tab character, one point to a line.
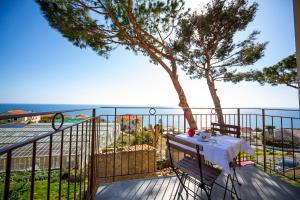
233	187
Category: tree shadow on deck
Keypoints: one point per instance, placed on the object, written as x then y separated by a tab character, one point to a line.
256	184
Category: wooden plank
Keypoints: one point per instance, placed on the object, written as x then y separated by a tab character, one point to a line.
126	188
150	187
103	189
138	187
274	185
169	194
247	191
156	189
164	188
139	194
256	185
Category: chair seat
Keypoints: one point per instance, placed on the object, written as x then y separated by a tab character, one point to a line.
190	166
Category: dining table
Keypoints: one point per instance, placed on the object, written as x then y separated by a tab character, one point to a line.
220	150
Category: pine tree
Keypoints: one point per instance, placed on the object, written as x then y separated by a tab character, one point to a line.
282	73
206	46
141	26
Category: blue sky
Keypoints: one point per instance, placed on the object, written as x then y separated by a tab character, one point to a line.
38	65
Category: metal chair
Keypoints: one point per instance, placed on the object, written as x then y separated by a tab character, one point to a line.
235	131
193	168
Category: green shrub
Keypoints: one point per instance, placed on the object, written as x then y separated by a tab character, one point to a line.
281	144
142	138
137	138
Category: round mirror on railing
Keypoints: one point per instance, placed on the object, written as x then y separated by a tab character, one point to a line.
58	117
152	111
213	111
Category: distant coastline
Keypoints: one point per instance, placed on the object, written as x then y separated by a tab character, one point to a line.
291	112
37	106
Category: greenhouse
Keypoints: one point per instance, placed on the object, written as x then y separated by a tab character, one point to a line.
22	157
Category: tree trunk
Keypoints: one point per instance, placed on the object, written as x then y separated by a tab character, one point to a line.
172	72
216	100
183	102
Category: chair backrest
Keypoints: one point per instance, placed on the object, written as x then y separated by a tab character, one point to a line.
182	145
186	147
226	129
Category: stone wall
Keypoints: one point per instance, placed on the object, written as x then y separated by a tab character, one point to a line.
136	159
285	134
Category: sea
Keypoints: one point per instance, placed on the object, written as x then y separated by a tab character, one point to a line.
250	117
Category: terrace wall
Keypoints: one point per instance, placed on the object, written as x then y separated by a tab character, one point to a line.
136	159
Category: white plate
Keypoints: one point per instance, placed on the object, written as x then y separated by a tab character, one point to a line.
204	140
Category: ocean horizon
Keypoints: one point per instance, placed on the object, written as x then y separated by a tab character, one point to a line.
5	106
161	111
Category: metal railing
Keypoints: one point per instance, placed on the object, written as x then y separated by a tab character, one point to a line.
122	142
274	134
70	146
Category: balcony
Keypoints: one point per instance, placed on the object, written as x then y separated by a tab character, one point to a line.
256	184
112	153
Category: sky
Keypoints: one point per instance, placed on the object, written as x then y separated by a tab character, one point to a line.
38	65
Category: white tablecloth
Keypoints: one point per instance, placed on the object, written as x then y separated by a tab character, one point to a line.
223	151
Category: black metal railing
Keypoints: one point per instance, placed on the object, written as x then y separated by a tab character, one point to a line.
131	150
125	142
61	159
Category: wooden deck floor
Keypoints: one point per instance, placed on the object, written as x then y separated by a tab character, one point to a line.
256	185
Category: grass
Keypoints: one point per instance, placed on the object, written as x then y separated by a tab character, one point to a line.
21	183
259	152
41	188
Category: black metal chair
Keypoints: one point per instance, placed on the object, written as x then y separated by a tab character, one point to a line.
192	167
235	131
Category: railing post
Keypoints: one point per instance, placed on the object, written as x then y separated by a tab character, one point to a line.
263	139
92	174
115	133
239	124
7	176
239	117
184	121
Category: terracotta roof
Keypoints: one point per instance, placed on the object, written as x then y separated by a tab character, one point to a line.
246	129
82	116
50	116
68	116
47	116
17	112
